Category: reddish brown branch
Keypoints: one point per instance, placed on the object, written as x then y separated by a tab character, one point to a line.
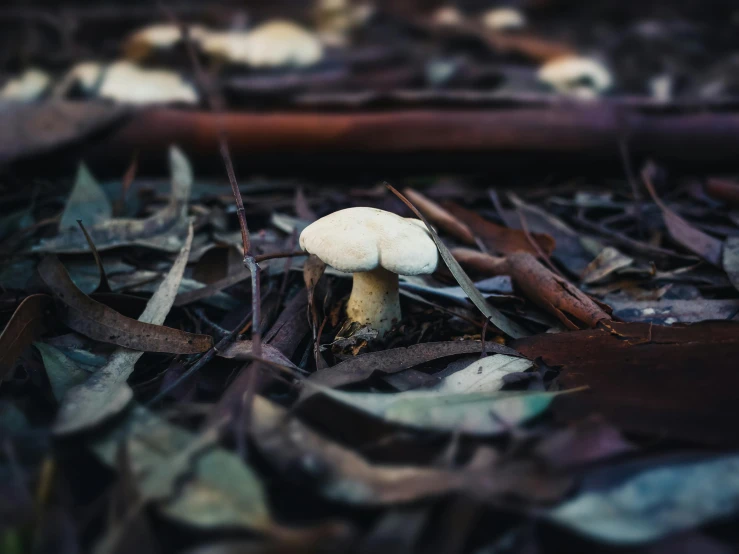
575	130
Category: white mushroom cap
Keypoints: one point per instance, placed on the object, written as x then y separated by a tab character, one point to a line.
364	239
567	74
503	19
272	44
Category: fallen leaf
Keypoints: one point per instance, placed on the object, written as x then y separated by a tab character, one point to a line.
97	321
62	372
568	249
672	382
605	263
87	202
106	393
706	246
26	325
584	442
216	488
483	375
164	230
507	326
731	260
669	312
362	367
483	414
499	239
241	350
299	453
655	502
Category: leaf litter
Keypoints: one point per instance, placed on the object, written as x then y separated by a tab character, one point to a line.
573	367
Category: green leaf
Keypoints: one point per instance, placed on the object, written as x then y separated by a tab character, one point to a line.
655	502
87	202
164	230
62	372
480	413
731	260
219	489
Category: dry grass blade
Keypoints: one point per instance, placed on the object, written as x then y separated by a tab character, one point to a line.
440	216
505	325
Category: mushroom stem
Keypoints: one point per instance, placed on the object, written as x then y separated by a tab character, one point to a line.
374	300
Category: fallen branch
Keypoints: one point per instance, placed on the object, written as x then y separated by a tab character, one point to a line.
549	291
571	130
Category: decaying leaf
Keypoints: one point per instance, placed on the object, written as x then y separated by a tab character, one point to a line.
99	322
26	325
362	367
164	230
483	375
671	382
655	502
106	393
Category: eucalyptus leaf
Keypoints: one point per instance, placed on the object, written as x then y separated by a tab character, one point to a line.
87	202
478	413
483	375
656	502
191	479
106	393
63	373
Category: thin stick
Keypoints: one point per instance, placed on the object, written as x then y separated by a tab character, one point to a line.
216	104
208	356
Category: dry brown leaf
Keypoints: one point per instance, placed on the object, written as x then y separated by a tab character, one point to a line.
498	238
26	324
672	382
706	246
394	360
97	321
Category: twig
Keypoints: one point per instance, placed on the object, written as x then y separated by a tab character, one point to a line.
207	357
216	105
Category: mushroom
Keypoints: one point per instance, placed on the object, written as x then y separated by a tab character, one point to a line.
376	246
